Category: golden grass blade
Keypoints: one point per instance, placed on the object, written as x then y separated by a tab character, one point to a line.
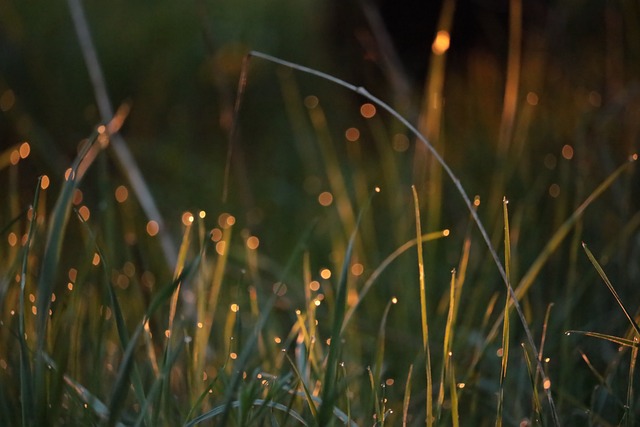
611	338
611	288
453	391
407	398
505	322
423	312
448	341
305	390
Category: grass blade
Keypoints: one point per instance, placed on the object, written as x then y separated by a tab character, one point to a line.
423	312
407	398
329	385
26	378
505	323
611	288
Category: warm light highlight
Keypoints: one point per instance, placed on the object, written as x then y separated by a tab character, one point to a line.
311	101
368	110
216	235
325	273
314	285
122	194
400	142
567	152
24	150
357	269
84	213
187	218
45	182
325	198
352	134
153	228
7	100
235	308
253	242
96	259
441	43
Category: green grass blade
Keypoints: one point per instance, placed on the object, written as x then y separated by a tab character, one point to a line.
26	378
121	327
329	385
50	262
611	288
305	390
423	311
447	343
248	350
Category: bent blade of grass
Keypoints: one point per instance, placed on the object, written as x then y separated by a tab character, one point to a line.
423	311
305	389
26	378
383	266
607	282
440	160
611	338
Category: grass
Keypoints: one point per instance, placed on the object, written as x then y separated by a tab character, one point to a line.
368	319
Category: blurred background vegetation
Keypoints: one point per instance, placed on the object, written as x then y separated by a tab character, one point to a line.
575	118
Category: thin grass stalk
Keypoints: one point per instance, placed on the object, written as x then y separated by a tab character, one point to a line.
430	121
26	378
423	312
447	343
543	337
505	324
607	282
463	194
629	407
377	413
537	407
376	376
510	100
407	398
453	392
